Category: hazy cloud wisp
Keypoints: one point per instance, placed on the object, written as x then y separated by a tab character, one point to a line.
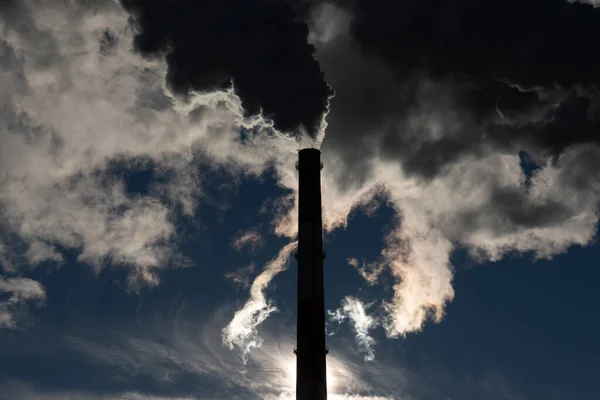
356	312
22	292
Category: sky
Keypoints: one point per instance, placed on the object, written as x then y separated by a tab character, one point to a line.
148	197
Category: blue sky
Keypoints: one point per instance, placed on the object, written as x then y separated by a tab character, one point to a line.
515	330
145	240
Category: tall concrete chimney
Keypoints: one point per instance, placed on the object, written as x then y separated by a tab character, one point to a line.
311	375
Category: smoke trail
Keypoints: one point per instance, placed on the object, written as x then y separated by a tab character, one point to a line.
241	332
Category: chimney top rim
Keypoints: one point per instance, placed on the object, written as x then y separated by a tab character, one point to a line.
309	150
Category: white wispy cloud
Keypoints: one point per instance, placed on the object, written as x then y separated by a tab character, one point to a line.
21	291
75	109
74	101
242	276
369	271
5	263
241	332
250	239
356	312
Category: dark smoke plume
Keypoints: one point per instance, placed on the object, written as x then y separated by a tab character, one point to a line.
516	75
258	46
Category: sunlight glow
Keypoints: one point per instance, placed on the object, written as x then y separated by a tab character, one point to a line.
291	377
331	381
291	373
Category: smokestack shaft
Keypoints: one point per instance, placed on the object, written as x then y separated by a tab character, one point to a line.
311	375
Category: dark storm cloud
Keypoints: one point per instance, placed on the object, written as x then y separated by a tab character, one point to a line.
258	45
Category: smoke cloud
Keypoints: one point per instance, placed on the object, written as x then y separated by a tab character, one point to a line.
531	87
256	46
476	136
78	108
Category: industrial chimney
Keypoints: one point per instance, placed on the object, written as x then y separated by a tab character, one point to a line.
311	375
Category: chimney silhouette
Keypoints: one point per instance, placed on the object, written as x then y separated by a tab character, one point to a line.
311	373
